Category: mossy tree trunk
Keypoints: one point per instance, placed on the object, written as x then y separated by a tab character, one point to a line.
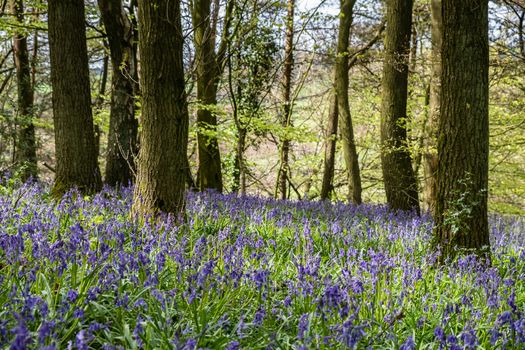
25	152
123	126
162	162
463	143
398	174
75	150
341	86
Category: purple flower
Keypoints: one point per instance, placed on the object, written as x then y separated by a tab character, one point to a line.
504	318
191	344
469	338
408	344
494	335
303	326
72	295
22	337
351	335
451	339
259	317
439	334
234	345
44	331
82	340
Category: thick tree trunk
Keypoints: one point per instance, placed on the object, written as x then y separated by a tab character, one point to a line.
430	137
162	162
463	143
76	158
123	126
341	85
284	167
398	174
25	153
327	187
209	173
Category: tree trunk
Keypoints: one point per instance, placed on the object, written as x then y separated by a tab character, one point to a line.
463	143
76	158
430	139
25	153
240	171
341	85
398	174
284	168
162	162
209	173
99	102
123	126
327	187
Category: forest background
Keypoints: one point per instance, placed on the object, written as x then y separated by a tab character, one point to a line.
250	97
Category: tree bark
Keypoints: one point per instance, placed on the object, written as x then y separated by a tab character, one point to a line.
76	158
208	74
398	174
327	187
25	152
463	144
430	139
123	126
162	162
284	167
341	84
240	171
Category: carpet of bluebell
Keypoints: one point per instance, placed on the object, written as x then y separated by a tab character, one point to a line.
247	273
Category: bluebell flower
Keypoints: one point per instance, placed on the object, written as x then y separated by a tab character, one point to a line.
469	338
44	331
191	344
233	345
82	340
22	337
439	333
303	326
408	344
259	317
72	295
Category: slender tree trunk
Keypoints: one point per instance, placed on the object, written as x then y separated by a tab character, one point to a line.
76	158
99	102
284	168
430	145
341	84
413	49
398	174
240	172
123	126
463	143
209	173
162	162
327	187
25	152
